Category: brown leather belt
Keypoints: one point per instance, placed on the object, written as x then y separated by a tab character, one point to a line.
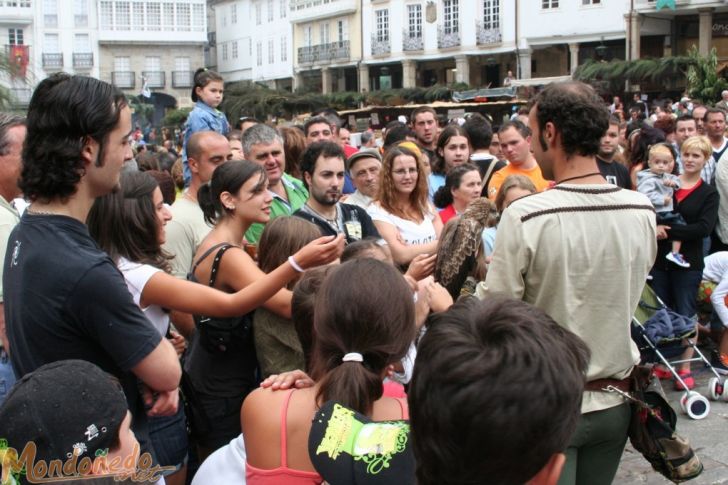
624	385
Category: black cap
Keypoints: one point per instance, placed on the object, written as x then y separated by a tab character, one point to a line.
66	407
348	448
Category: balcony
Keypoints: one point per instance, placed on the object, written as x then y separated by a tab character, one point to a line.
326	53
83	60
412	41
22	13
21	96
53	61
155	79
380	45
123	79
308	10
487	35
182	79
447	37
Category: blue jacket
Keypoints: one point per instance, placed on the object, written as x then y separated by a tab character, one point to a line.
202	118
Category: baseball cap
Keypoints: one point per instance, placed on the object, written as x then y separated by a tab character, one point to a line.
362	153
348	448
66	407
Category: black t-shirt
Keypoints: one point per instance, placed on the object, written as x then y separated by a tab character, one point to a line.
615	173
65	299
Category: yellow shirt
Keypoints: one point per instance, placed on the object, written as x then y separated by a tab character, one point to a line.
499	177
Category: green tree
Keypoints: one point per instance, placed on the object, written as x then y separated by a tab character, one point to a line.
704	82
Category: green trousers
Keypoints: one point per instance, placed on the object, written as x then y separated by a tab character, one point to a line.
595	450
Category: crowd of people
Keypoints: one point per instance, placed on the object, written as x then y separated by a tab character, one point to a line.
276	305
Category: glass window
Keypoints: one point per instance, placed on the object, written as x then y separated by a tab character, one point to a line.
122	64
491	14
283	8
123	17
107	15
181	63
183	17
259	52
258	14
234	13
414	17
224	52
154	16
271	53
80	13
549	3
382	24
284	49
81	43
198	17
270	10
324	31
15	37
168	16
51	45
50	13
235	49
451	9
137	15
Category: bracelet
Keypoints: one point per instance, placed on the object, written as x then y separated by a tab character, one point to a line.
295	265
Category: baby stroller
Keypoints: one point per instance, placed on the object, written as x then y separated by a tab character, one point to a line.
651	322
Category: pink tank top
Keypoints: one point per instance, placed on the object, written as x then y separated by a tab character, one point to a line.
281	475
288	476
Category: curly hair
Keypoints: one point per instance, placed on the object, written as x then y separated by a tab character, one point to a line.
387	195
578	113
64	112
125	224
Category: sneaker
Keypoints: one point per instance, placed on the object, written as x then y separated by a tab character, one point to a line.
678	259
720	363
661	373
687	378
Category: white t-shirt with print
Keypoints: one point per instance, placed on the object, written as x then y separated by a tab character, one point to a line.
411	232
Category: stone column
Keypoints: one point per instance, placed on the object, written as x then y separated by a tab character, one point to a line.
574	57
524	62
462	66
325	80
364	78
409	73
298	82
705	30
341	80
632	41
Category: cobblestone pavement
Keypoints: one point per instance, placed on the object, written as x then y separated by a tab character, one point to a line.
708	437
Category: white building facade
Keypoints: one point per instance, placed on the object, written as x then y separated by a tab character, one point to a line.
254	42
421	43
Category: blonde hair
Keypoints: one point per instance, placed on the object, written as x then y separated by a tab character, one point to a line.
701	143
660	149
513	181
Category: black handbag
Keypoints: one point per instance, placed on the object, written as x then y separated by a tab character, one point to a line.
221	335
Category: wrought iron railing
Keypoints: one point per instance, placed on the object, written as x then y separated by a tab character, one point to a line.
123	79
182	79
83	60
324	52
155	79
380	45
487	35
447	38
53	60
412	41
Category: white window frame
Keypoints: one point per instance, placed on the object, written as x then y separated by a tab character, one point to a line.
414	20
451	16
381	24
491	14
549	4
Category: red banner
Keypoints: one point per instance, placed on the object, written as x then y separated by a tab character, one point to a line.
19	58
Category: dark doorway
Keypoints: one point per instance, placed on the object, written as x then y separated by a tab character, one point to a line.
491	76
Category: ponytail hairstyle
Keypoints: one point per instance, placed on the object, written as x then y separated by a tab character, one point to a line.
228	177
203	77
353	314
124	223
443	197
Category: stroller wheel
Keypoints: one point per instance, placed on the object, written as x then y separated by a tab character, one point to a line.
695	405
716	389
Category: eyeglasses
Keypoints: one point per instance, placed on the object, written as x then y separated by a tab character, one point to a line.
404	171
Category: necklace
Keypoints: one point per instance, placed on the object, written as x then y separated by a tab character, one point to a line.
334	222
578	177
30	210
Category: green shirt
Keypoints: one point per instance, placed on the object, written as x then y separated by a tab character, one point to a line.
297	197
